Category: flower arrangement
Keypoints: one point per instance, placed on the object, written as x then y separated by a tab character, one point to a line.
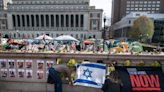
127	63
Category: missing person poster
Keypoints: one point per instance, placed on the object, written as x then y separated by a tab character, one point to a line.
28	64
20	64
40	74
11	63
21	73
4	73
12	73
40	64
141	79
29	73
49	64
3	63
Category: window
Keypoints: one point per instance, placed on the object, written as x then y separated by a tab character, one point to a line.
157	8
132	5
145	2
128	5
140	9
140	5
77	20
57	20
132	2
141	2
157	5
52	20
42	20
149	5
72	21
127	12
145	5
67	21
144	8
132	8
128	2
149	2
153	5
154	2
158	2
94	22
47	20
136	8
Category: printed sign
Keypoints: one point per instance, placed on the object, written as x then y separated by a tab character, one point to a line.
141	79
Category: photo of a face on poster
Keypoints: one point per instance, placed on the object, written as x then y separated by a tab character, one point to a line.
20	63
28	64
4	73
11	63
50	64
3	63
40	64
40	74
28	73
20	73
12	73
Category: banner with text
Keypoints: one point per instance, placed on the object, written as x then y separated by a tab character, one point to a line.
141	79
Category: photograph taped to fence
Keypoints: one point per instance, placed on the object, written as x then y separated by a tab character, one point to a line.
4	73
3	63
40	64
28	64
11	63
21	73
20	64
12	73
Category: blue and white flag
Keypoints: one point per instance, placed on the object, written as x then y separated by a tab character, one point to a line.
91	75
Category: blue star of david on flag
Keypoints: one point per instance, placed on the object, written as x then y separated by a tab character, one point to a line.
90	75
87	73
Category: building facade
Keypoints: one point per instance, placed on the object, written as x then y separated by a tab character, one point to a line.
31	18
121	28
120	8
3	21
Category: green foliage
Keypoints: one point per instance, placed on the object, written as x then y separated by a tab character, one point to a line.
143	28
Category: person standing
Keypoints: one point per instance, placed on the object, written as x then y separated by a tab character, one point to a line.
54	76
112	83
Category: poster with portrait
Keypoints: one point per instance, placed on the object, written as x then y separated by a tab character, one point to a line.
28	73
12	73
40	74
21	73
3	63
49	64
11	63
28	64
4	73
20	64
40	64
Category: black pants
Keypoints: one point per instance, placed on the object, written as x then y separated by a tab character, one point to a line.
54	77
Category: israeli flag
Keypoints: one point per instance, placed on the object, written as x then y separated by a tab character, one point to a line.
91	75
